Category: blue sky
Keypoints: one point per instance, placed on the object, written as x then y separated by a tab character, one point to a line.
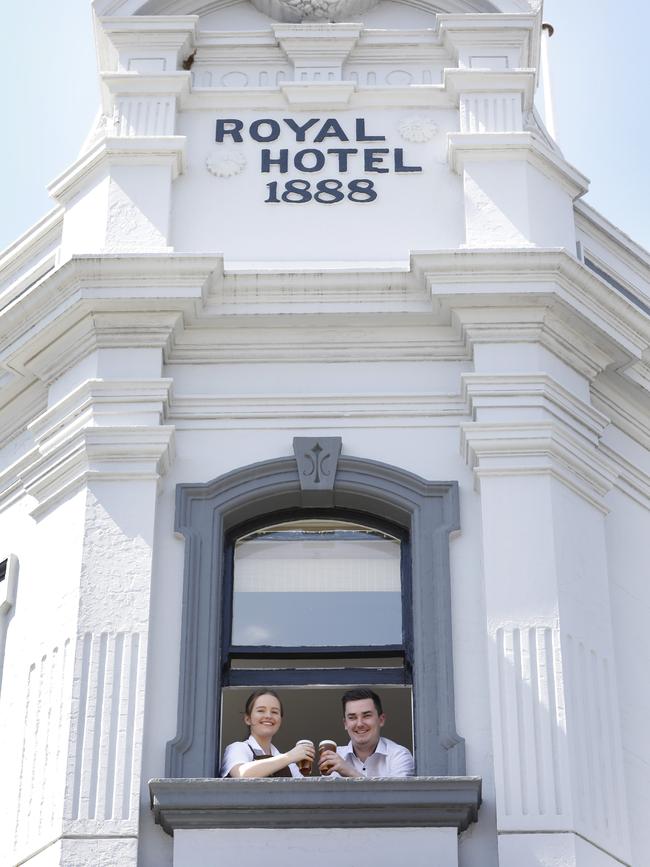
600	80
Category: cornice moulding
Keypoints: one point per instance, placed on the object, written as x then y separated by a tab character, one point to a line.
211	42
485	21
271	55
470	147
136	84
632	253
565	297
630	480
460	81
191	409
19	407
97	401
307	33
190	352
547	321
627	405
519	393
523	449
127	284
377	37
418	96
126	453
29	278
127	150
44	232
170	32
451	802
514	30
335	94
537	273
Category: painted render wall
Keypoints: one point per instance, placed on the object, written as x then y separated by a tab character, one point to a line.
494	359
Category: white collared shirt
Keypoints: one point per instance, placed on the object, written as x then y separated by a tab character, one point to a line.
239	752
388	760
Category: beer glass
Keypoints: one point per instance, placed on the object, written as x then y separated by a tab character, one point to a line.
326	746
304	765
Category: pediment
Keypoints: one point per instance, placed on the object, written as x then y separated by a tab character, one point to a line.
277	9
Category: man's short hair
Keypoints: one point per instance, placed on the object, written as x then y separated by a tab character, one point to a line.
359	694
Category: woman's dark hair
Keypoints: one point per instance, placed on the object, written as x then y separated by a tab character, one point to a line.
360	693
252	698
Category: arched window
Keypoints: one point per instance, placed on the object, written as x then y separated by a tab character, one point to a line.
269	510
317	602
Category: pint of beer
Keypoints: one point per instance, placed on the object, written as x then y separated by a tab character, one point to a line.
326	746
304	765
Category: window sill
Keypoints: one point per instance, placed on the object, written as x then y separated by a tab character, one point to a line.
414	802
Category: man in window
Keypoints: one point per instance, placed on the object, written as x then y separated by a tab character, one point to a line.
368	754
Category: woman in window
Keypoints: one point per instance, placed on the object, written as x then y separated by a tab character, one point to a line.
256	756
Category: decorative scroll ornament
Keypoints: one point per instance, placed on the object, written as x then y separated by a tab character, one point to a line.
225	163
418	129
317	460
313	10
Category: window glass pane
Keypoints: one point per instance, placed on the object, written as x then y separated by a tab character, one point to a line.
317	583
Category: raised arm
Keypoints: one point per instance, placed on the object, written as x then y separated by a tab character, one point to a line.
263	767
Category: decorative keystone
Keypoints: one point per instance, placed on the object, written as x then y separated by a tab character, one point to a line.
317	459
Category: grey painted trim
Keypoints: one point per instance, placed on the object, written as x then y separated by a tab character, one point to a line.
317	459
205	512
413	802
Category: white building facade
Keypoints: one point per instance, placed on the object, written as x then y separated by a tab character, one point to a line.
321	264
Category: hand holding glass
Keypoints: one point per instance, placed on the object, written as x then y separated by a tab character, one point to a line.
325	747
305	762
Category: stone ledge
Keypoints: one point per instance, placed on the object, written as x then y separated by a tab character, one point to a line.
413	802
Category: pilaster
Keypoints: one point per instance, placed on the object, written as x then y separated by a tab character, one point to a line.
519	191
117	195
102	444
533	445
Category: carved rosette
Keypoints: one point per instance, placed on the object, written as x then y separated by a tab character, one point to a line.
225	163
417	129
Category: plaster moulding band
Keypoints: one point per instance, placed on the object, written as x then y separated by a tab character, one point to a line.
464	148
526	449
126	453
115	84
167	26
617	242
424	96
27	400
327	95
631	480
175	33
97	401
409	802
548	322
523	392
301	38
52	356
490	82
190	410
119	284
128	150
610	320
515	28
626	404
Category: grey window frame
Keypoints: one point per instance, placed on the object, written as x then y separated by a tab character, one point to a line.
206	512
